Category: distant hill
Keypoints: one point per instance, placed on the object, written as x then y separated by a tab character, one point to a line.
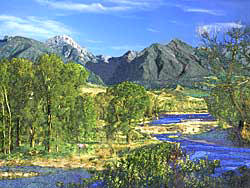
156	66
107	68
21	47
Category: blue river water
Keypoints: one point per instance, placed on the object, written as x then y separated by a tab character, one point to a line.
178	118
230	157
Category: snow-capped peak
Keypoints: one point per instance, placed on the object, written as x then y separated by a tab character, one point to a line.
67	46
104	58
130	55
61	40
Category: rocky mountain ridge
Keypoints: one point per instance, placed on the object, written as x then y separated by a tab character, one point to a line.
70	49
156	66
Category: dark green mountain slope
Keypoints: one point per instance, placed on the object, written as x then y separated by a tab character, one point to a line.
21	47
156	66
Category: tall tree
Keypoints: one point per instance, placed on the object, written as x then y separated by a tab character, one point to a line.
73	77
85	114
49	87
22	76
58	86
229	59
128	106
4	79
37	100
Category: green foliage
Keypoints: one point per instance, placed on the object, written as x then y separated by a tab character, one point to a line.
101	104
86	118
128	105
38	102
229	61
157	165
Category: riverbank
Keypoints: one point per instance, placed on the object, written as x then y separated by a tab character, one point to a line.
215	136
47	178
50	172
102	153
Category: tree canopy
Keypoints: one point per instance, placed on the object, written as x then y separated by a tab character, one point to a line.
39	100
127	106
229	59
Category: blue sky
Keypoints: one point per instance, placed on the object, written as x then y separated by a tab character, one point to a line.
111	27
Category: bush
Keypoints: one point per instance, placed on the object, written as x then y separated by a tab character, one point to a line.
157	165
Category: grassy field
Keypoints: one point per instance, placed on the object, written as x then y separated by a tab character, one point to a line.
93	89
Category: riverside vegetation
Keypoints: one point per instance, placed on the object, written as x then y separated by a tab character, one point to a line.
47	109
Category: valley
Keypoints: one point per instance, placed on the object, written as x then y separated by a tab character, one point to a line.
168	116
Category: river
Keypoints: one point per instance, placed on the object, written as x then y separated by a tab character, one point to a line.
230	157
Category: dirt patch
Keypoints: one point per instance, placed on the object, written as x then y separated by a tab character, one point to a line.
16	174
188	127
215	136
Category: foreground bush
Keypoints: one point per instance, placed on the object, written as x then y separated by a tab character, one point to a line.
157	165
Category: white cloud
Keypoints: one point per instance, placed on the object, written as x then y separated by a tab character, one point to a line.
82	7
103	6
217	27
11	18
173	21
152	30
198	10
31	27
137	3
206	11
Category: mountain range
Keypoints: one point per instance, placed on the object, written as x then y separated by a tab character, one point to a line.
156	66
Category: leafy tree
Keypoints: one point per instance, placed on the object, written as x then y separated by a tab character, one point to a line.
4	79
49	87
112	119
67	108
89	117
229	61
21	76
127	107
101	103
16	82
39	100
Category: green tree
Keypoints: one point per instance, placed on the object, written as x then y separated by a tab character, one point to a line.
16	81
229	60
101	103
4	79
21	76
89	117
49	87
58	85
66	108
128	106
37	100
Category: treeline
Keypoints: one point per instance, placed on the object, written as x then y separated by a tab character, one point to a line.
40	103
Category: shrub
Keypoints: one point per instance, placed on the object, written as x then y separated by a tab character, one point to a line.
157	165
